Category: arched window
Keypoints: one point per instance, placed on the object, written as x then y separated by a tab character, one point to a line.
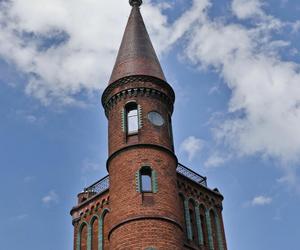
203	224
82	236
146	180
193	222
170	130
182	199
216	230
105	241
209	230
94	233
132	118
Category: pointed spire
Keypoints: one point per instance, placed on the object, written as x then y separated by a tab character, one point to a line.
136	55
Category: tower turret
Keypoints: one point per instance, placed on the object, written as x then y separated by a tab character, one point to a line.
148	201
142	165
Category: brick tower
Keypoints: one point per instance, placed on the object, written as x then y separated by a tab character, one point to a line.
149	201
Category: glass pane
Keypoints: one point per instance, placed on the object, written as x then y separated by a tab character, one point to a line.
156	118
132	112
132	119
146	183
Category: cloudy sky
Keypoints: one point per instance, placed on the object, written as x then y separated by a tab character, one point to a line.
235	67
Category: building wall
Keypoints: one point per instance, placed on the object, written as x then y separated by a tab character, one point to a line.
91	223
148	227
150	96
207	231
141	215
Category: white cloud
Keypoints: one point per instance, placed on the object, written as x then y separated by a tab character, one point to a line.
50	198
264	110
81	61
261	200
192	146
68	47
296	26
247	8
216	160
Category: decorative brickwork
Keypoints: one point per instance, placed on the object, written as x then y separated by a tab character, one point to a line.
149	201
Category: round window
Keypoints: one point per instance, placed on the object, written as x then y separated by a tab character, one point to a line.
156	119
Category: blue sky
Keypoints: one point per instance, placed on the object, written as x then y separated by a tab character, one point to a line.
235	68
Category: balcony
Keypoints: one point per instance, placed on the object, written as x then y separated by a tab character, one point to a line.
190	174
103	184
99	186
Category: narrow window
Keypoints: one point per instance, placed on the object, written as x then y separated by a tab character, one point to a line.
82	237
170	129
183	214
146	180
193	221
203	225
132	118
94	233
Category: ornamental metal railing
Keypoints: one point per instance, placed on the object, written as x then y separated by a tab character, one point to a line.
190	174
99	186
103	184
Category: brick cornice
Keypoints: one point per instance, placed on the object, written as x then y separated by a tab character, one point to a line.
107	98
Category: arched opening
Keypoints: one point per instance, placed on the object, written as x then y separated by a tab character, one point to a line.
170	130
193	221
132	118
217	230
146	179
214	228
83	233
183	216
203	225
105	242
94	233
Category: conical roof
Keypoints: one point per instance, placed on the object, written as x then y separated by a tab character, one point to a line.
136	54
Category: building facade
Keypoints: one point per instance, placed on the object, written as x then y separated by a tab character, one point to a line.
148	201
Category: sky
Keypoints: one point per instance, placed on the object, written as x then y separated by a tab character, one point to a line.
235	68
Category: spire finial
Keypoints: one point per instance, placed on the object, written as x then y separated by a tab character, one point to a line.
136	56
135	2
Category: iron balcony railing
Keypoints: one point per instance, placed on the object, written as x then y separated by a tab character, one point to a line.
190	174
103	184
99	186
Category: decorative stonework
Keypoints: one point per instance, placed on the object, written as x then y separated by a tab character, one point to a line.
134	92
136	79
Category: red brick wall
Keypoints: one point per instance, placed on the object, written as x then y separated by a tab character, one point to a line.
84	212
138	220
148	133
207	199
149	233
126	203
